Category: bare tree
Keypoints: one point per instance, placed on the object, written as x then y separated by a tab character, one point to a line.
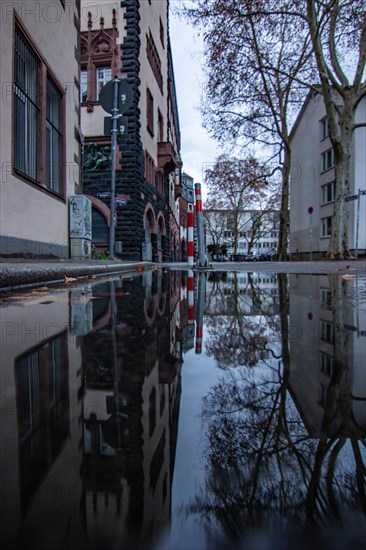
215	225
337	30
236	185
254	65
255	81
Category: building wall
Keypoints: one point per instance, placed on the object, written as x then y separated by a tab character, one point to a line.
308	177
146	158
33	219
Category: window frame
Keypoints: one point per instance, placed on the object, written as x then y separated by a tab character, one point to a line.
45	74
149	112
326	227
324	128
325	191
104	80
327	159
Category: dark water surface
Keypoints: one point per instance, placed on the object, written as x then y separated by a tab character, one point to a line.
137	413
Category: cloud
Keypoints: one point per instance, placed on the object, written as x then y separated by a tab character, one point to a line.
197	148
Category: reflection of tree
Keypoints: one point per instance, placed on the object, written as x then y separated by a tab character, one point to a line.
238	335
264	470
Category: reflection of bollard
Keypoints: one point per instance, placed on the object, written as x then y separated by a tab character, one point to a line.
202	260
200	307
190	246
190	296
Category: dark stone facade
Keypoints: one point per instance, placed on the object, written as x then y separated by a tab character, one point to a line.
130	178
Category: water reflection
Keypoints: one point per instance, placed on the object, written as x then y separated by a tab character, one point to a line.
286	422
91	394
90	388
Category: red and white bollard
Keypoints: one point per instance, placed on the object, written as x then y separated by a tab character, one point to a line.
190	285
190	244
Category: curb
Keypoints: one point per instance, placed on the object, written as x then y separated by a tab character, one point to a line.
17	276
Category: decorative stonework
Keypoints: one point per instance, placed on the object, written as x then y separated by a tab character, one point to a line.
96	157
98	48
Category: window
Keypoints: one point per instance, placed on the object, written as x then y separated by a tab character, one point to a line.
26	109
149	169
104	75
161	32
154	60
325	298
326	364
327	332
327	160
160	126
83	85
324	128
38	119
53	138
326	226
150	112
328	192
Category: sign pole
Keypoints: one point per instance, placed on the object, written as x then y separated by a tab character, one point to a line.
115	112
357	222
310	212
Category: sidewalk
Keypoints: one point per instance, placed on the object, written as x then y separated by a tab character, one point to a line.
15	273
18	273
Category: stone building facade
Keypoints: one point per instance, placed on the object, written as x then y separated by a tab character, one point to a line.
130	40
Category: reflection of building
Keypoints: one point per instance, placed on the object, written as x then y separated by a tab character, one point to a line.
313	179
40	384
90	395
132	364
327	350
244	293
40	145
131	40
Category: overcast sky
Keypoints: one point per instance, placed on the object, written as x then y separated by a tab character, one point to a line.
197	148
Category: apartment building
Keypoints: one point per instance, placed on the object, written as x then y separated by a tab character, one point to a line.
253	231
130	40
39	135
312	192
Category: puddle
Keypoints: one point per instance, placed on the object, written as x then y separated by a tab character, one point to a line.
179	411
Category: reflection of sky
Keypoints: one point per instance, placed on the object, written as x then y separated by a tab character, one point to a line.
199	374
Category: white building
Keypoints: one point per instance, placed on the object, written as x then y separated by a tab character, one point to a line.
257	231
312	192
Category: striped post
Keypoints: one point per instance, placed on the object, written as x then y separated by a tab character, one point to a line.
202	261
190	285
200	306
190	245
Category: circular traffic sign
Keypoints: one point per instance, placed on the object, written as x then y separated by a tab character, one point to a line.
125	96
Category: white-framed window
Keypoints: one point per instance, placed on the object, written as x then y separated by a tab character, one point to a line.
328	192
326	226
324	128
325	298
83	85
326	364
327	160
327	332
104	75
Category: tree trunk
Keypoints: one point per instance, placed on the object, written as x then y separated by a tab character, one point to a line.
284	215
339	241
